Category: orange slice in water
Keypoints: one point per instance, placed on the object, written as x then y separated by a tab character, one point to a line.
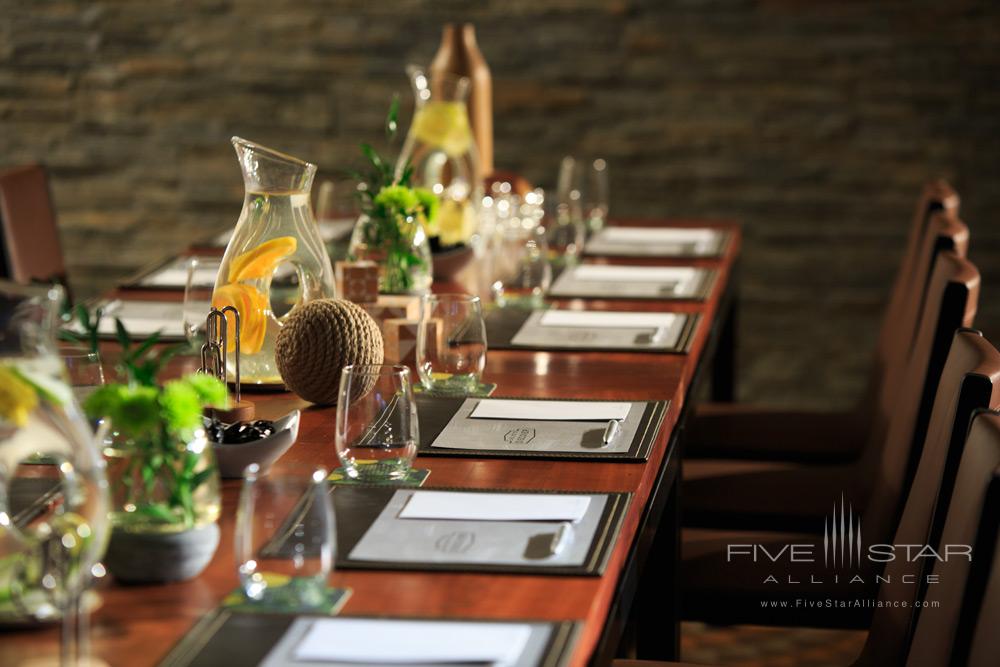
252	306
262	260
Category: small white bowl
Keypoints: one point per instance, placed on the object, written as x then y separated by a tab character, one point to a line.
234	458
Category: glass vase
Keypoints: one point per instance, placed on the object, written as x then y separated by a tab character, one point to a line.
162	484
400	249
442	154
275	259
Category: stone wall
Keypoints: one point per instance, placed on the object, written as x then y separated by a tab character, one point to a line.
812	122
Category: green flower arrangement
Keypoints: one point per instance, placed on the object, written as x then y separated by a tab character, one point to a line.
397	212
160	473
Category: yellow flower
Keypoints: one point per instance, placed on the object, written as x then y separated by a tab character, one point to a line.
17	397
456	222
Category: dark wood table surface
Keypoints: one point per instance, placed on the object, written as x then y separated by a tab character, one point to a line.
138	625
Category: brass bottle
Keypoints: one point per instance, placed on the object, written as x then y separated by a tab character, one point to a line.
460	55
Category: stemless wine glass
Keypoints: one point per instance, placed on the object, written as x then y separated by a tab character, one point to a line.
285	536
377	431
198	298
54	523
521	272
451	343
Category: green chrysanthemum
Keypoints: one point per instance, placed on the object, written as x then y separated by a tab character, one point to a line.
397	198
211	391
181	406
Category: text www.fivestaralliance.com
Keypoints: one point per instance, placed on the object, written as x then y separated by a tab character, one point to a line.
829	603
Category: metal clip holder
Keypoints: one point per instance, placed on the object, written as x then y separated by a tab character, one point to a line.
215	361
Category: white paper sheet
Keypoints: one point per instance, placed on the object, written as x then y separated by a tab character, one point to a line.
370	641
496	408
657	274
176	276
607	319
494	506
142	318
658	235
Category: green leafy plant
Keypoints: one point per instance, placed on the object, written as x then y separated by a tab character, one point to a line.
396	210
154	423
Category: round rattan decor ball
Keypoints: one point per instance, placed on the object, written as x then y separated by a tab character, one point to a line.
318	339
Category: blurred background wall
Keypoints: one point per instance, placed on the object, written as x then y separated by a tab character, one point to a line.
814	123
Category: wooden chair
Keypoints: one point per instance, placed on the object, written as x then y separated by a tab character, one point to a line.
955	501
31	248
717	590
736	430
773	495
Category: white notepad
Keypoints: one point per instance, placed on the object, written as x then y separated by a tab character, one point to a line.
659	235
612	273
142	318
607	319
376	641
176	276
460	506
497	408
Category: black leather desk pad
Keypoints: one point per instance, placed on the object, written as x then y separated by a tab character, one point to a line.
435	412
223	637
503	324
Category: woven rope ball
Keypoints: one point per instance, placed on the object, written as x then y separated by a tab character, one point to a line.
318	339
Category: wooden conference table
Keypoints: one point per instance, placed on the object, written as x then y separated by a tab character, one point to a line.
138	625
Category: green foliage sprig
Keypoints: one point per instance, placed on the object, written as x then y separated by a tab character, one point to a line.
396	209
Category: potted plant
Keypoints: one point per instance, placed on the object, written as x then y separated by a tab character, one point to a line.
164	481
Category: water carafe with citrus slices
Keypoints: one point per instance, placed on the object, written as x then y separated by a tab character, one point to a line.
442	153
275	259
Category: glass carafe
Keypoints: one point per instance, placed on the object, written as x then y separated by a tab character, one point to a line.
54	522
441	151
275	259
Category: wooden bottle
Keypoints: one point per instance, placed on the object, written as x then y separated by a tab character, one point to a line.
459	54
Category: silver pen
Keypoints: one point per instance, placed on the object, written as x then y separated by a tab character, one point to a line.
611	431
562	537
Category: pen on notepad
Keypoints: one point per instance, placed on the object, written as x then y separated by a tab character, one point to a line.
562	537
611	431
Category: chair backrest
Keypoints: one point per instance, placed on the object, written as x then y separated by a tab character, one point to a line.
981	604
943	232
32	251
969	382
960	604
926	237
936	196
884	471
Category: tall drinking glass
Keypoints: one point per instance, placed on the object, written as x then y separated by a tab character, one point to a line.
451	343
583	193
377	431
54	523
285	536
198	299
84	371
520	268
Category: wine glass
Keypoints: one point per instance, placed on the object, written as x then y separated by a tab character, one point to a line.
520	270
198	289
583	192
376	430
285	536
451	343
53	536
